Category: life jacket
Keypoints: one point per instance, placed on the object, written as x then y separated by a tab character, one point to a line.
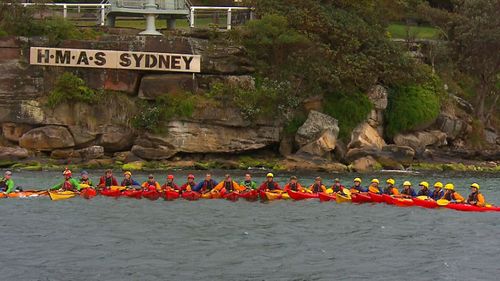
316	188
151	185
248	184
207	185
87	181
170	184
228	185
473	197
271	185
193	184
127	182
3	184
108	181
389	190
423	192
337	188
449	195
408	191
293	186
436	194
358	188
67	186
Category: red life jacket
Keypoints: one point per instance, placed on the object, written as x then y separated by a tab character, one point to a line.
228	185
67	186
317	188
293	186
271	185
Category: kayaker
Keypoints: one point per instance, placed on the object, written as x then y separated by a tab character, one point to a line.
69	183
206	185
374	188
408	191
188	186
170	184
248	183
269	184
84	179
293	185
438	192
128	181
476	198
318	187
227	186
390	189
424	189
356	188
337	186
6	183
107	180
151	184
451	195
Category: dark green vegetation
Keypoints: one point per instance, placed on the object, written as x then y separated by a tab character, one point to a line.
70	88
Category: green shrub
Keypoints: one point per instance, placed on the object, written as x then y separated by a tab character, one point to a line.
71	88
410	107
350	110
293	125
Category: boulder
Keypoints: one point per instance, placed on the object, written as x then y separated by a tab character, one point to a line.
453	127
126	157
62	153
13	153
82	135
390	156
323	145
153	86
300	163
490	136
91	152
378	96
316	125
365	164
365	135
420	140
286	145
14	131
47	138
153	153
116	138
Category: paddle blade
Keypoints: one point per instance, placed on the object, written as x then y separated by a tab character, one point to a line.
423	197
373	189
443	202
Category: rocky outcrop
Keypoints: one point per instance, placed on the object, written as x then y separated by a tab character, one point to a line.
390	156
153	86
91	152
365	164
365	135
47	138
13	153
378	96
116	138
158	152
453	127
297	163
420	140
315	126
13	131
320	147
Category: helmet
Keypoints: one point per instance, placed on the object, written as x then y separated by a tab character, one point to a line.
191	176
336	180
293	178
475	185
127	173
449	186
407	183
391	181
357	180
8	173
318	179
425	184
270	175
84	173
375	181
438	184
67	172
170	177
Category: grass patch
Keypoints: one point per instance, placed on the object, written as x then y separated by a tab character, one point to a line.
402	31
71	88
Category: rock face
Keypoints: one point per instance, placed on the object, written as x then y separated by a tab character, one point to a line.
390	157
365	164
294	163
13	131
153	153
420	140
366	136
116	138
451	126
315	126
13	153
378	96
91	152
320	147
153	86
47	138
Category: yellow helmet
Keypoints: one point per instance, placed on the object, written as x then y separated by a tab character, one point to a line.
127	173
407	183
475	185
438	184
375	181
424	184
357	180
270	175
449	186
391	181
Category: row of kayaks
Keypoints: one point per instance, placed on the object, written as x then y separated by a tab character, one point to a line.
254	195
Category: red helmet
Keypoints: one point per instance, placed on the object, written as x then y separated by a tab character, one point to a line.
67	172
170	177
191	176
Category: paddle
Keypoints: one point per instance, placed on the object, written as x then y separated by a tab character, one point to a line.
373	189
423	197
442	202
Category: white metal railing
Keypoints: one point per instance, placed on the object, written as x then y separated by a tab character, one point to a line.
104	6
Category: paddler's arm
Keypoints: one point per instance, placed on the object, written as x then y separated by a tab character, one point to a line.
480	200
197	187
10	186
458	197
76	184
57	186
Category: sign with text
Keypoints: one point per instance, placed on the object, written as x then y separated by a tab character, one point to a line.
115	59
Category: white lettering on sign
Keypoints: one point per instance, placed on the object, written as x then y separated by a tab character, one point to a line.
115	59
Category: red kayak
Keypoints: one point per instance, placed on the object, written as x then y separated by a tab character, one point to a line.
191	195
471	208
151	194
323	197
377	198
402	202
171	195
388	199
231	196
88	193
111	192
251	195
361	198
430	204
132	193
296	195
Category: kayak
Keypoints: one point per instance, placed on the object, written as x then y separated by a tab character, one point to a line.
23	194
297	195
88	193
133	193
377	198
323	197
471	208
110	193
117	187
211	195
61	195
339	198
251	195
361	198
403	202
169	195
151	194
430	204
271	196
231	196
388	199
191	195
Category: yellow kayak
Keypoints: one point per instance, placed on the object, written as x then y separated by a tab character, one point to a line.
61	195
116	187
339	198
